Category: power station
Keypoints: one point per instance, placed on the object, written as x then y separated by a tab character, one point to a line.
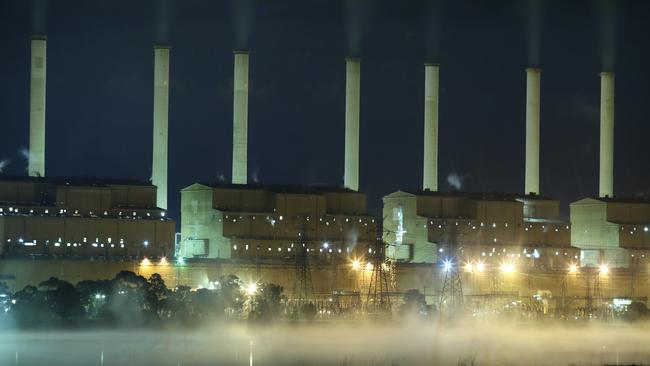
258	230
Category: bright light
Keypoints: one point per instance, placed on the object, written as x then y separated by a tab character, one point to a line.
447	265
356	265
469	267
368	266
603	269
145	262
480	266
251	289
507	267
146	243
573	268
163	260
326	245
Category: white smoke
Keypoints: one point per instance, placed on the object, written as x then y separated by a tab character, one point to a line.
455	180
221	177
255	176
3	164
25	154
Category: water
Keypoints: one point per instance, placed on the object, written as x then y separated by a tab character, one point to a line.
416	344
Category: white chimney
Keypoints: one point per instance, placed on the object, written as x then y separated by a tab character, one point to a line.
352	101
240	119
533	78
606	186
160	123
431	94
36	160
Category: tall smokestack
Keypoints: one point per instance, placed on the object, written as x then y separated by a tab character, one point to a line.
160	123
36	160
240	119
431	93
533	77
606	186
352	101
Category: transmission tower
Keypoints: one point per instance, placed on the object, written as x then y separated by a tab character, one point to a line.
378	299
562	306
451	297
302	286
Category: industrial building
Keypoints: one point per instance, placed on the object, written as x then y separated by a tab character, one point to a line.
425	226
242	221
79	217
249	222
82	217
612	230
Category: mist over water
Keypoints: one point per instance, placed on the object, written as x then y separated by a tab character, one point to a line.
477	342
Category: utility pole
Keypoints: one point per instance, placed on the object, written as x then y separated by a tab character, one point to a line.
451	297
378	298
302	287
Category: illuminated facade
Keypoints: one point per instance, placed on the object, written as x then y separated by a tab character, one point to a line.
610	230
248	222
423	226
82	217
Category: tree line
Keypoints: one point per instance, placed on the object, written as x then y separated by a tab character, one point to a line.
132	300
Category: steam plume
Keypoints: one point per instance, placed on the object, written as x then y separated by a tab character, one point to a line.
164	10
242	18
533	18
607	24
455	181
39	16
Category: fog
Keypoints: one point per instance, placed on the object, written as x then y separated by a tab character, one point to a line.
431	343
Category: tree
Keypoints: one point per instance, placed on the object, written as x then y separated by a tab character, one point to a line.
156	294
5	299
232	294
179	303
93	295
207	304
30	310
414	303
266	304
127	304
62	299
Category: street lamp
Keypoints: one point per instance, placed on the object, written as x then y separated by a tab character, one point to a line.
251	289
507	267
603	269
573	268
356	265
480	266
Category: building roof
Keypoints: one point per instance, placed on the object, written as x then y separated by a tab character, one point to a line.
479	196
291	189
643	200
76	181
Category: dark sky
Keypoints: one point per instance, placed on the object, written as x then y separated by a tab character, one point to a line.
100	71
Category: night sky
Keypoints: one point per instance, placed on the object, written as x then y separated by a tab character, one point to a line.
100	74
